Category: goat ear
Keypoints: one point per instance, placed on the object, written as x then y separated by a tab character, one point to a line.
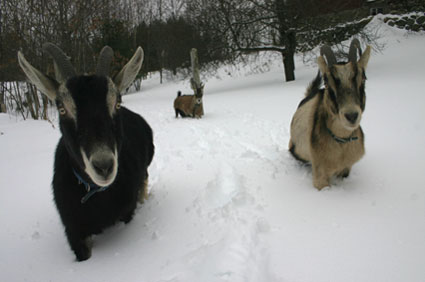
364	59
128	73
45	84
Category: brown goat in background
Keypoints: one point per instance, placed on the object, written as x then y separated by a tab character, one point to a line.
190	105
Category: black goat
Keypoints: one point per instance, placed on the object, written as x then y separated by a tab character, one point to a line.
104	147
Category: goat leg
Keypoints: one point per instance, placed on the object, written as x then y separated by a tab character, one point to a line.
320	177
344	173
80	244
128	214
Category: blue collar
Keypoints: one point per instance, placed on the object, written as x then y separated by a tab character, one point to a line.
91	188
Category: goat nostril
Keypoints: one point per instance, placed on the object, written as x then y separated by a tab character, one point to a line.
352	117
103	167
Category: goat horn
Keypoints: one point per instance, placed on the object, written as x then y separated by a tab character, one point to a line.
62	61
104	61
352	53
329	54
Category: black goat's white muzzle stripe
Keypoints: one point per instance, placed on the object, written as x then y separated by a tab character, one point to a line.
91	171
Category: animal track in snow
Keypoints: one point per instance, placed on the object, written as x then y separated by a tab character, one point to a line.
222	190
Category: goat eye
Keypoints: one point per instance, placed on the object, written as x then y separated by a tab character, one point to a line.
118	106
62	111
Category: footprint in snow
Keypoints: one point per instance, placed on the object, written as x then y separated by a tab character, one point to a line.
226	187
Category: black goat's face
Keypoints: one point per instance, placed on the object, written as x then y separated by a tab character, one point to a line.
345	89
91	125
89	108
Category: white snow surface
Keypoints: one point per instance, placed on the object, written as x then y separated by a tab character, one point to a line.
227	200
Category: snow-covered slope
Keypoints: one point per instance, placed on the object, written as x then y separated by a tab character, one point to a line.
228	202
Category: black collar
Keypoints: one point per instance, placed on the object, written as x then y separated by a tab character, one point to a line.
340	139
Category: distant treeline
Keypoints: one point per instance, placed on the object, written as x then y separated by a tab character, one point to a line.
221	31
82	28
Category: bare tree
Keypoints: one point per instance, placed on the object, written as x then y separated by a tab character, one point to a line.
2	83
196	78
282	26
27	26
251	26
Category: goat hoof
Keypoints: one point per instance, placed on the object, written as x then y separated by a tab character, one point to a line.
84	253
82	256
321	185
82	249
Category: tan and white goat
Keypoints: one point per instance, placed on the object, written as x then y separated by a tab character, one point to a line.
325	129
190	105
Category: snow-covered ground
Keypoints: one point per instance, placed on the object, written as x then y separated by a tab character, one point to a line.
227	201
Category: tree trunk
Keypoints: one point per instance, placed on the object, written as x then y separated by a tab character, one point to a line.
30	104
195	68
289	66
45	107
19	103
36	100
161	65
290	42
2	99
287	38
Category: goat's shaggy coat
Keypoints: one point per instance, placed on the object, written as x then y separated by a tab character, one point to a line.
103	146
325	129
